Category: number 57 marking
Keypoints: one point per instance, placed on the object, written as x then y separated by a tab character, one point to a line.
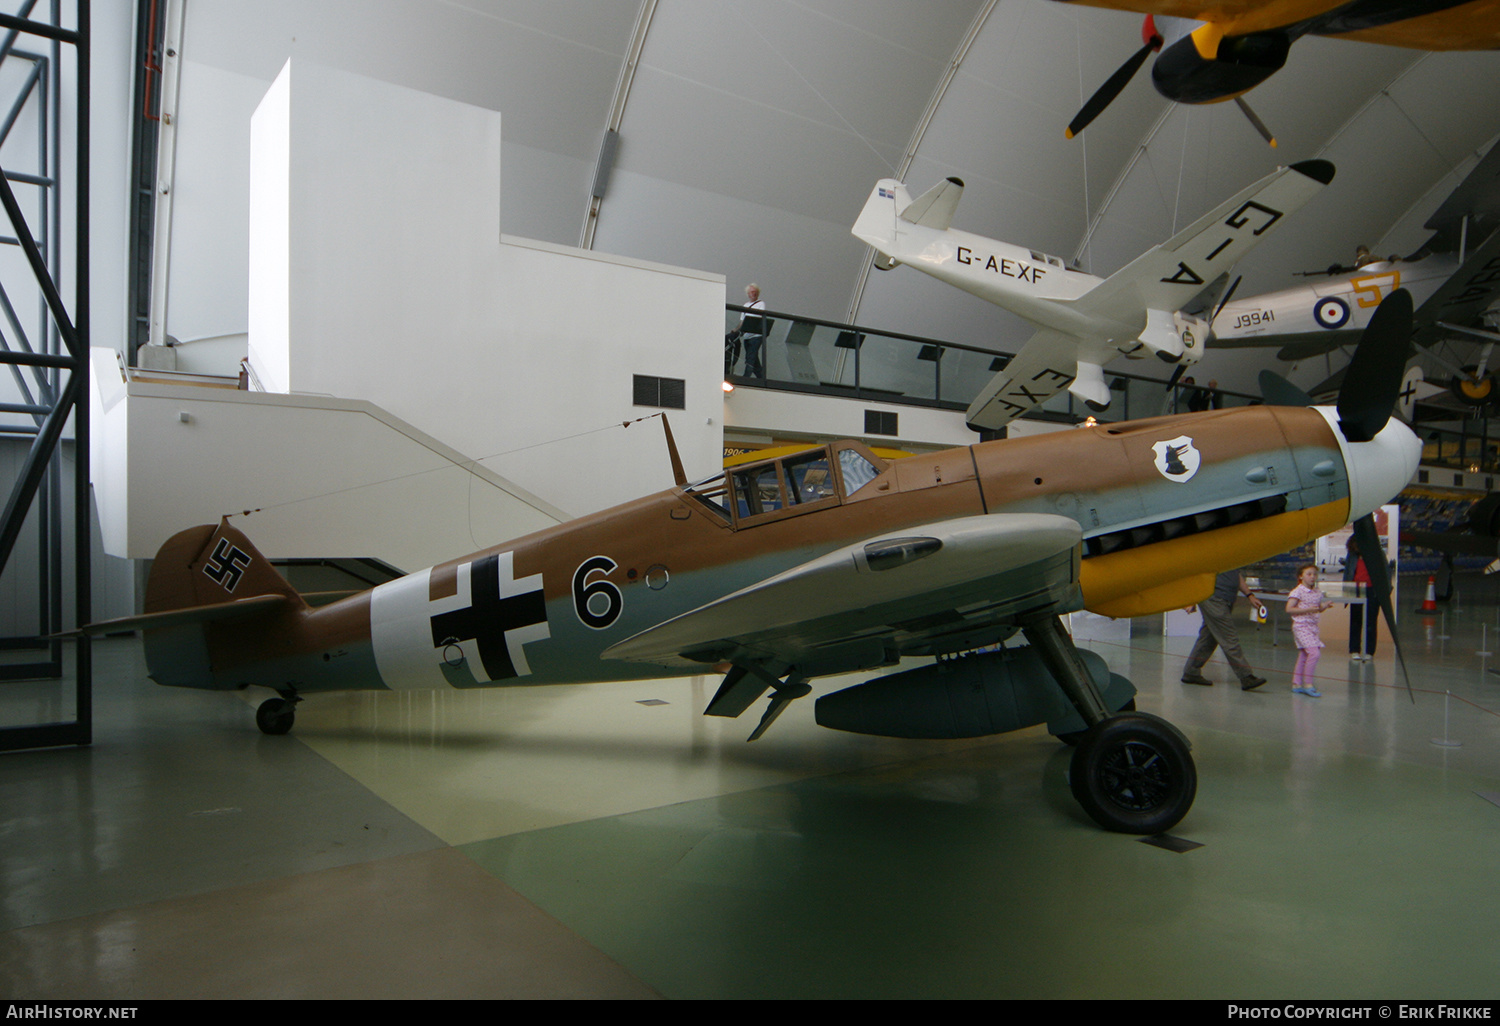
1367	289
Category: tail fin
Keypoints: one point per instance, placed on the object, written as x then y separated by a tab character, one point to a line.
202	577
211	565
935	207
876	224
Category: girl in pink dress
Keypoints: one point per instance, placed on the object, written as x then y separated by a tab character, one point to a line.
1304	605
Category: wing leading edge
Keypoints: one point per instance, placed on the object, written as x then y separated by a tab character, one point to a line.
1167	276
1134	305
926	590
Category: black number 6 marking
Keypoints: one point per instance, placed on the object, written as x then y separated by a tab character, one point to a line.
584	591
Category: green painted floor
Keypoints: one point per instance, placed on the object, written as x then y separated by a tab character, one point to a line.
576	842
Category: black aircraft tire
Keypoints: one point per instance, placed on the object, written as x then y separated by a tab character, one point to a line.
1134	774
275	716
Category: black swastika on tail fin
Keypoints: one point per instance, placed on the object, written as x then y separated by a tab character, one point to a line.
227	565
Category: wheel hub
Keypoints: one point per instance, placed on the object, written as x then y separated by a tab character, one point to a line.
1135	776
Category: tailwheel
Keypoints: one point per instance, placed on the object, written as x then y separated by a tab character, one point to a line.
1133	774
275	716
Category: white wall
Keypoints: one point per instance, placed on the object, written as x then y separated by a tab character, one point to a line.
375	227
208	273
268	273
327	477
780	414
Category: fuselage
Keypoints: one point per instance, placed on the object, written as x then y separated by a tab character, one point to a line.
1338	305
1034	285
1163	504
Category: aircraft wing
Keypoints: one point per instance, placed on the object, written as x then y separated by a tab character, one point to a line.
914	591
1458	543
1295	345
1198	10
1044	366
1170	275
1472	27
1477	199
1464	297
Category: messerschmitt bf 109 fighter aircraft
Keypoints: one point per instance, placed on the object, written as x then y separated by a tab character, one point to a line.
833	561
1084	321
1454	279
1214	50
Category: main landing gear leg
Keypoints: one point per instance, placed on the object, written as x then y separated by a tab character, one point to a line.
1132	772
1055	645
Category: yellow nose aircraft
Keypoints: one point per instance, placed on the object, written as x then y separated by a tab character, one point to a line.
832	561
1214	50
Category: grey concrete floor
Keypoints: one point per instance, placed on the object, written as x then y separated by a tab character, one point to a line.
611	841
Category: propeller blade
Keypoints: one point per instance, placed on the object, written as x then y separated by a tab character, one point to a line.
1111	88
1278	391
1176	376
1260	126
1373	379
1370	550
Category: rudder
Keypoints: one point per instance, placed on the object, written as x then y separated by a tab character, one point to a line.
211	564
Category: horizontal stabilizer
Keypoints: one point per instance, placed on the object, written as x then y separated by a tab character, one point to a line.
238	609
935	207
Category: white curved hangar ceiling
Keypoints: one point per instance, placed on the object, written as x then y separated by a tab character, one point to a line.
751	132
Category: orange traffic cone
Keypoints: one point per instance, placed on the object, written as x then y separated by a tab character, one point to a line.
1429	604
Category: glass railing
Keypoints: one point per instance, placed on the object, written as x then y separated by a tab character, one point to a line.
802	354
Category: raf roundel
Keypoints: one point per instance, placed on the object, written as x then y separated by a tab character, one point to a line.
1331	312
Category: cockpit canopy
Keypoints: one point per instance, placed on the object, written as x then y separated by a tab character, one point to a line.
788	485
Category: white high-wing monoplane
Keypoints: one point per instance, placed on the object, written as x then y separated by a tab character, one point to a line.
1085	321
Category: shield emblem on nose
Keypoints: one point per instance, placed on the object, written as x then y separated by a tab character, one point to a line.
1177	459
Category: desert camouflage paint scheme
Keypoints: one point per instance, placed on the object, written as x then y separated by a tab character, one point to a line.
580	602
830	560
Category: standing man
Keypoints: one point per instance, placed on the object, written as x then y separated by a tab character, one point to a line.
1361	621
753	331
1219	632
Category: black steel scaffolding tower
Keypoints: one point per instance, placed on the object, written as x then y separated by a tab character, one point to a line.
44	184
